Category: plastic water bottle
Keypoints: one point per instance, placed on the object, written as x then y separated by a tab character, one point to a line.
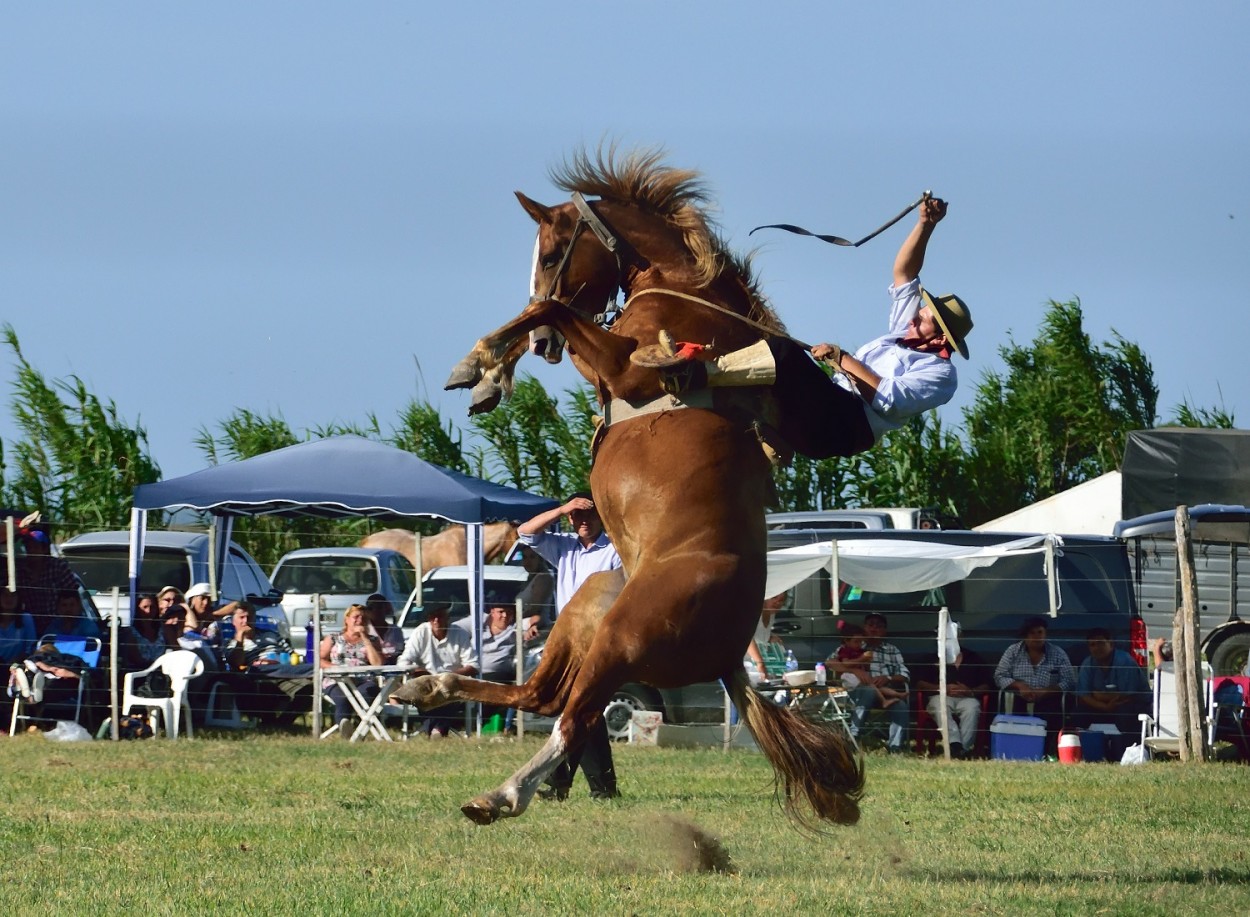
792	664
820	674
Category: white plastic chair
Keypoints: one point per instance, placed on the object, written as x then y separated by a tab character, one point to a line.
181	666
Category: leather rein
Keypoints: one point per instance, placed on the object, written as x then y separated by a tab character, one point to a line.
588	218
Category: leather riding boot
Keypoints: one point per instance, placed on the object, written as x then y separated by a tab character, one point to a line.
603	786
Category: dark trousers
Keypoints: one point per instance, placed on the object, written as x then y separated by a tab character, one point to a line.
595	760
819	418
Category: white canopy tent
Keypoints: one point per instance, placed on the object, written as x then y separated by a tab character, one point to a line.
900	565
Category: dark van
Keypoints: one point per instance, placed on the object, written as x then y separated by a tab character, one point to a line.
1095	589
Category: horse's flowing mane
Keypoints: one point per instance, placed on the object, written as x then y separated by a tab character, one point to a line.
681	198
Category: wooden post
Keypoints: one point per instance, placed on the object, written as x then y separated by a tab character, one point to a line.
1187	657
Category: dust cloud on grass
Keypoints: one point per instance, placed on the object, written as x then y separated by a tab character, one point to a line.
667	843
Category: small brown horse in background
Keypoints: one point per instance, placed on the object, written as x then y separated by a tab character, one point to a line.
682	491
446	548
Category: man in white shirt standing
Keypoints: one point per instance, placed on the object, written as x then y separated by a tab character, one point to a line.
576	556
436	647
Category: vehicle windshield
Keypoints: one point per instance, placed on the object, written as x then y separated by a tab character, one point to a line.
327	576
102	568
456	591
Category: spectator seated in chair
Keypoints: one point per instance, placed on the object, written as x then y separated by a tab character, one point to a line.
886	670
1111	688
1039	674
436	647
355	645
48	682
969	683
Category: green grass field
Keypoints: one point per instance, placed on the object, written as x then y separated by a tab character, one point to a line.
286	825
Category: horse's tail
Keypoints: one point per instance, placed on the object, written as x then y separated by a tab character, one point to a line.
819	770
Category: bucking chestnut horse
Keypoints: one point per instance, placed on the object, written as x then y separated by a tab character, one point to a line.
681	486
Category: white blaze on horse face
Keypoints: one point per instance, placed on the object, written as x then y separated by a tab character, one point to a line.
534	270
544	341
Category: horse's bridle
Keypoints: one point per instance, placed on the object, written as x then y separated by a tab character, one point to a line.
587	218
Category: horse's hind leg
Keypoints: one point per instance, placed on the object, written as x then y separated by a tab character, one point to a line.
513	797
563	660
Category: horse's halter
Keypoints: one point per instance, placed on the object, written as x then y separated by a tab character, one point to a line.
586	217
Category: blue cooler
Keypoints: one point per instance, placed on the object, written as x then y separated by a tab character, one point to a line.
1093	745
1017	738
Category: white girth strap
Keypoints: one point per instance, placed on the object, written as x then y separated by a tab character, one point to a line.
618	409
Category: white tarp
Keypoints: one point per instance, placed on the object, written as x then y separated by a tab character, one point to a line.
892	565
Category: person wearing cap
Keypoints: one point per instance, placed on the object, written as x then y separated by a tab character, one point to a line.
889	380
576	557
199	601
436	647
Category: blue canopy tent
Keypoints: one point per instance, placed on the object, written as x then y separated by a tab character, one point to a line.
338	477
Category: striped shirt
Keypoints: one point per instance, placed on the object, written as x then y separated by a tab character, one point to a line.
887	661
1055	669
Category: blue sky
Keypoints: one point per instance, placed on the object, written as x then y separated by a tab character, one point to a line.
307	208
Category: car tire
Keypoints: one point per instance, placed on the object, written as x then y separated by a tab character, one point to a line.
1230	655
620	709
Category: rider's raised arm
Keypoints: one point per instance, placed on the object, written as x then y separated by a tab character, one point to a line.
910	258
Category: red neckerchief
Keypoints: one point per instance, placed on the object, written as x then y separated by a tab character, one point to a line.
912	343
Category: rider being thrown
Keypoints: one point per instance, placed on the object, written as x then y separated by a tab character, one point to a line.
895	377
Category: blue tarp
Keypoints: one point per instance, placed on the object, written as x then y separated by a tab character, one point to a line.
343	476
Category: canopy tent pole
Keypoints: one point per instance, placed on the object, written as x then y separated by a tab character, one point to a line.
316	654
834	578
138	535
944	718
1052	577
212	559
520	660
476	550
114	708
10	536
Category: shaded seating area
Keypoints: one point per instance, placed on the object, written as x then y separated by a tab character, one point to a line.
337	477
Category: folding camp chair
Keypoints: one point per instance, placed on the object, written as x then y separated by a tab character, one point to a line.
85	648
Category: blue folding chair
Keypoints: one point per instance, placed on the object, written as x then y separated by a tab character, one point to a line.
85	648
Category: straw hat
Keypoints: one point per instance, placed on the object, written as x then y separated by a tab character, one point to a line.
953	318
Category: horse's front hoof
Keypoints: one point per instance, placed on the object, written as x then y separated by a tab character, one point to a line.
468	372
480	811
486	397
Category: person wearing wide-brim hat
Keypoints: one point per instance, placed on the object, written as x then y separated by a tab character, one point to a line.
889	380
